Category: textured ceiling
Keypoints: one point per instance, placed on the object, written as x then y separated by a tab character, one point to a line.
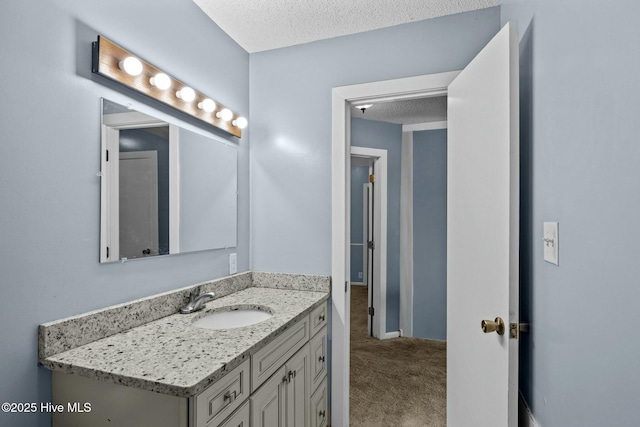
409	112
259	25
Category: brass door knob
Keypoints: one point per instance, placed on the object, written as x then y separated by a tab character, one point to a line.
489	326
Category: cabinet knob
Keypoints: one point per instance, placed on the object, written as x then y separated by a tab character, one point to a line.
321	317
229	397
322	413
321	358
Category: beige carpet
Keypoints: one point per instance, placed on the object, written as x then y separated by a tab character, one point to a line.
396	382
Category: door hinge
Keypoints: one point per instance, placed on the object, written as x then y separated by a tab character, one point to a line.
371	244
107	251
372	178
515	329
346	286
107	155
371	311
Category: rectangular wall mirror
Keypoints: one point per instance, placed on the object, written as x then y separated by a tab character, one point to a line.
164	189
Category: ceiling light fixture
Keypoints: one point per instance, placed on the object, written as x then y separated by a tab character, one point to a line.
116	63
363	107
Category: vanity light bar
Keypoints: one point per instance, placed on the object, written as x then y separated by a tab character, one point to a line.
116	63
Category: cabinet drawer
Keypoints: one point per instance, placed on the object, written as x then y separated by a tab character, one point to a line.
319	415
318	346
268	359
217	402
240	418
318	318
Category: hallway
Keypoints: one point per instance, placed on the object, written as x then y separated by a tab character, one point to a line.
396	382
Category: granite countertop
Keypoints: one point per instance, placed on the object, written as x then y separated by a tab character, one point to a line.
172	356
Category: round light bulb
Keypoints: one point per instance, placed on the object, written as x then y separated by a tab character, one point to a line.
207	105
161	81
186	94
240	122
225	114
131	66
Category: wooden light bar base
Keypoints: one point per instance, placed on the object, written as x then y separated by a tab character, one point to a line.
106	59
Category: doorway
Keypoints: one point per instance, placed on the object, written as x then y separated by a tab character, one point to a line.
401	89
482	231
374	235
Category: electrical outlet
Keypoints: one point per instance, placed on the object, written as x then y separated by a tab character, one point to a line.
550	242
233	263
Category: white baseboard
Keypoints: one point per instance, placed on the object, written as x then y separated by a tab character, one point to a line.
388	335
358	284
525	417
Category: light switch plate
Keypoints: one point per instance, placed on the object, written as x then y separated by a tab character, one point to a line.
233	263
550	242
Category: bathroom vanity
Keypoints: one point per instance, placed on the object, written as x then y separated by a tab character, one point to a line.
168	372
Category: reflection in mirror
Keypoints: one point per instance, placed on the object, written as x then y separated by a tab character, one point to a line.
165	189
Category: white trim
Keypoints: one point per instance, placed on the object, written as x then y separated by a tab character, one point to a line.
424	126
131	120
434	84
389	335
526	418
406	235
379	287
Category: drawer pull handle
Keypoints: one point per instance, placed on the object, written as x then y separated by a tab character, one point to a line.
321	359
230	397
321	317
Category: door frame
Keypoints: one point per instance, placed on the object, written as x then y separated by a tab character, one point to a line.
378	289
342	97
109	182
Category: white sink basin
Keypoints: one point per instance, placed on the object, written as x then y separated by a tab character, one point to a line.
233	317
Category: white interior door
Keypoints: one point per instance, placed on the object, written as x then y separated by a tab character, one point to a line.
138	197
367	235
482	241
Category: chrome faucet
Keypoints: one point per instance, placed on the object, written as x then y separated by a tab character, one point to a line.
196	301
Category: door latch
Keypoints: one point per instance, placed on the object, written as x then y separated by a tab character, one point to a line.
516	328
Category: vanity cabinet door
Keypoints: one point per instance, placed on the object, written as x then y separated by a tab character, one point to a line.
297	403
319	415
268	407
318	346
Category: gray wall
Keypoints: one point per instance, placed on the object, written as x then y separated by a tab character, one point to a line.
49	157
386	136
291	124
359	177
580	363
430	234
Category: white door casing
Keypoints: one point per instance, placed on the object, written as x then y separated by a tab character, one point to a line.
482	236
109	173
404	88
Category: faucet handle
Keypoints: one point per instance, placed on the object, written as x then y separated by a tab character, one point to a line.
195	293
